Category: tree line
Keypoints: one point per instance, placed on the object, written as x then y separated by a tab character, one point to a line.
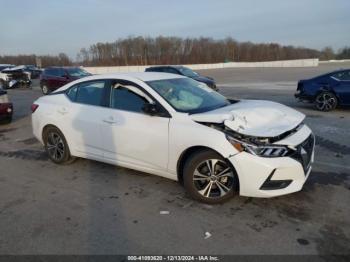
175	50
46	60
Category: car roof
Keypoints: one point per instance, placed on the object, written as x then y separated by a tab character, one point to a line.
142	76
53	67
162	66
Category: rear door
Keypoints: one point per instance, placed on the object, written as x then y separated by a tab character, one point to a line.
83	117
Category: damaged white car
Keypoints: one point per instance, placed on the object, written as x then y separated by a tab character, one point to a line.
176	127
14	76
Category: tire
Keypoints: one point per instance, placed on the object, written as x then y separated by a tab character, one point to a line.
45	89
9	120
56	146
326	101
205	186
6	121
3	84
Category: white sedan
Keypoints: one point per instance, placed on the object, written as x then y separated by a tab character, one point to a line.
176	127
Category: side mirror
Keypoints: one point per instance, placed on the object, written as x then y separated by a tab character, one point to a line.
150	109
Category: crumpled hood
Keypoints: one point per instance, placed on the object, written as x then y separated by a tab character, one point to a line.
254	118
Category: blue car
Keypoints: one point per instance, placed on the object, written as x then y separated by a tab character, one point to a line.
326	91
185	71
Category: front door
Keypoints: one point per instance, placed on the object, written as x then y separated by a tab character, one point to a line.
131	137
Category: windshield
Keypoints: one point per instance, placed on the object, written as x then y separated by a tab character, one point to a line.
187	72
77	72
187	95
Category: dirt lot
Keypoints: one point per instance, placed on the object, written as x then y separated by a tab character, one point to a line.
94	208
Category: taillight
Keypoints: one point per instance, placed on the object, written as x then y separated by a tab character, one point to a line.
34	107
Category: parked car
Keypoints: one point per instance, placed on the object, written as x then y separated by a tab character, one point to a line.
12	77
326	91
34	71
5	66
6	107
55	77
185	71
170	125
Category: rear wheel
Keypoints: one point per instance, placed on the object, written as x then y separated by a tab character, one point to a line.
56	146
326	101
209	178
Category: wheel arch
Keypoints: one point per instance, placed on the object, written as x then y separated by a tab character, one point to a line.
324	89
327	90
191	150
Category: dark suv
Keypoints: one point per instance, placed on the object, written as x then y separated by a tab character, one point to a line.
185	71
54	77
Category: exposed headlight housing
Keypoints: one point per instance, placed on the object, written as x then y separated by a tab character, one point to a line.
260	150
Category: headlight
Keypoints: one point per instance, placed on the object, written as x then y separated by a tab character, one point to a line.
263	151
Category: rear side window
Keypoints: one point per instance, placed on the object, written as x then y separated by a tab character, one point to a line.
55	72
89	93
72	93
342	76
170	70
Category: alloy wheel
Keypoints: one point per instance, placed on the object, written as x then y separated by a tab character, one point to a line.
213	178
326	102
55	146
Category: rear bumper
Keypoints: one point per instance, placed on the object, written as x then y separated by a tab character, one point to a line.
270	177
303	97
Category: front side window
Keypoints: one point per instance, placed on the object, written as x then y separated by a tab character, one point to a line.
187	95
90	93
125	96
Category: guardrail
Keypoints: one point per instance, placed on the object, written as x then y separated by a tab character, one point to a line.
284	63
335	61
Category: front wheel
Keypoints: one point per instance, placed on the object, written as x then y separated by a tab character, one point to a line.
209	178
326	101
56	146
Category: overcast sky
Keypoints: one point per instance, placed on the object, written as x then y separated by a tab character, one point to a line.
50	26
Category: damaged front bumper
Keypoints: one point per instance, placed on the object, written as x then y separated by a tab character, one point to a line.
14	79
270	177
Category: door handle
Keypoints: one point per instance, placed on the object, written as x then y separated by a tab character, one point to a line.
109	120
